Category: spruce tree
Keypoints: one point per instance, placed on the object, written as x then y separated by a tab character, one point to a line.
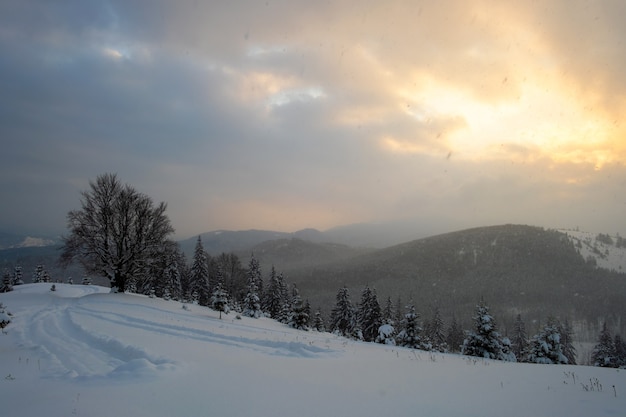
318	321
567	342
199	275
7	284
274	296
38	276
519	344
5	317
485	341
299	312
388	312
342	316
369	315
436	337
17	276
603	353
219	298
546	347
410	333
252	301
455	336
620	352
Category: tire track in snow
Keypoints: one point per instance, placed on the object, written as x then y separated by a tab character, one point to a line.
71	351
262	344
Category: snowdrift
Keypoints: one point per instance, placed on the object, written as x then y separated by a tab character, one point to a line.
84	352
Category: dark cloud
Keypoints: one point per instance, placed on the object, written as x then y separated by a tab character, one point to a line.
285	114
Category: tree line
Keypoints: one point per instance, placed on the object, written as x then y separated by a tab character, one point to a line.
120	234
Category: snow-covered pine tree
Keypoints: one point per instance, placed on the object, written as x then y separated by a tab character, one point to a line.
174	274
410	333
369	314
219	298
342	319
519	343
5	317
318	321
398	313
455	336
386	334
299	315
17	276
620	352
567	342
252	301
485	340
274	295
7	282
388	312
199	274
546	347
38	275
436	336
603	353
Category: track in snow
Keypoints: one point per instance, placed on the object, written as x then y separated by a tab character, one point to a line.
73	335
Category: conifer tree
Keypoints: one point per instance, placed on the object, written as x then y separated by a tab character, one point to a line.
567	342
17	276
485	341
38	276
299	315
410	333
399	312
603	353
620	352
369	315
7	284
252	301
519	344
436	337
199	275
5	317
219	298
455	336
318	321
388	312
342	316
274	296
546	346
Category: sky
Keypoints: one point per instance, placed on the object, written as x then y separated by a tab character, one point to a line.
285	115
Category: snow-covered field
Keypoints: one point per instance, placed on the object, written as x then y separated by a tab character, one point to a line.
80	351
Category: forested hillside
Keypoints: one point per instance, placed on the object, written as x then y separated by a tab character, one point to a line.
517	269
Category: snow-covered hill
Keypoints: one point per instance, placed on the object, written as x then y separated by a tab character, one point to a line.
608	252
80	351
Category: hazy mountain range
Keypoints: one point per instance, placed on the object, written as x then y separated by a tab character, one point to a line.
517	269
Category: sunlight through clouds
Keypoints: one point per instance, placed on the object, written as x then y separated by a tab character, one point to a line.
342	111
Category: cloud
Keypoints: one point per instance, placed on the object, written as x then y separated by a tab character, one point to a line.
286	115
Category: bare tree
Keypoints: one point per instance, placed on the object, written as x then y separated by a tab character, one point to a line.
117	233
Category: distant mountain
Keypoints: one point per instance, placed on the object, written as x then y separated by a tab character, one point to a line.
606	251
516	269
359	235
11	240
294	255
225	241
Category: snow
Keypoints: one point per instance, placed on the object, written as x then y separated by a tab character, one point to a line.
607	256
84	352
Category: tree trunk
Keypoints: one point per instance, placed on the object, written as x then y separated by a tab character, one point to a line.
119	282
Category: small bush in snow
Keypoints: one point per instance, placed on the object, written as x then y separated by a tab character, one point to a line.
5	317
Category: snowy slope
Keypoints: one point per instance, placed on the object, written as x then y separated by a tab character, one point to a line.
607	255
80	351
